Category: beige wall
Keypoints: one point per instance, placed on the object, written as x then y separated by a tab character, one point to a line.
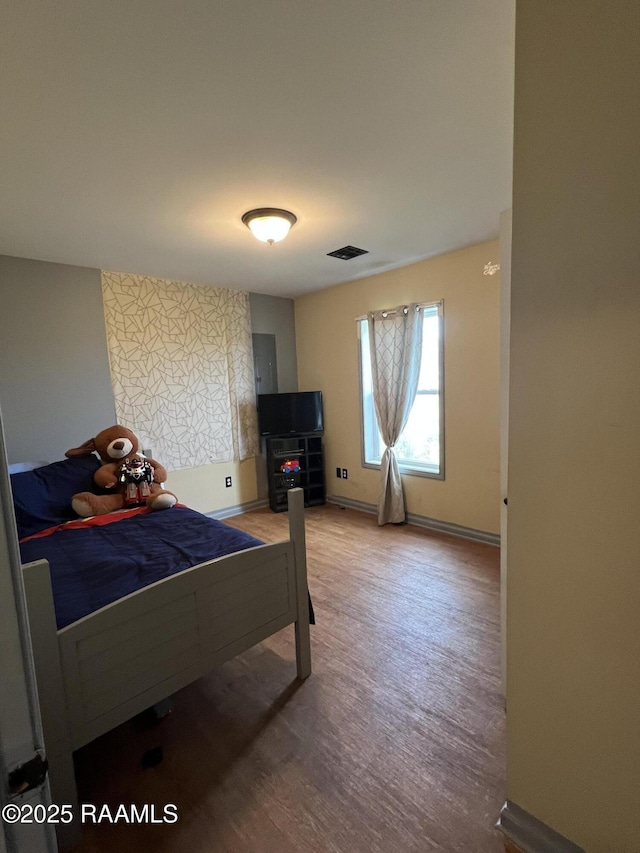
573	700
204	490
328	361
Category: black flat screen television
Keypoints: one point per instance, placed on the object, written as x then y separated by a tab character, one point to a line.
284	414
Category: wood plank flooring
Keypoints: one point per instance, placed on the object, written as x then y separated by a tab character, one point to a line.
395	743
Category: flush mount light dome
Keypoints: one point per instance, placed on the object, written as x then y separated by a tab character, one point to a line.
269	224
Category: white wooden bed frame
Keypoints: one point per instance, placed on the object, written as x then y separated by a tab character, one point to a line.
105	668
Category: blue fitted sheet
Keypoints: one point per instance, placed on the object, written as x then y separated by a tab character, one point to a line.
95	566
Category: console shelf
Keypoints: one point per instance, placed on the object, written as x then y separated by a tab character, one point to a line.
308	451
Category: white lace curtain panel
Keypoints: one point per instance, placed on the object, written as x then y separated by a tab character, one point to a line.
182	368
395	342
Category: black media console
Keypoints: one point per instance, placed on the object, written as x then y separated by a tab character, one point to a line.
307	450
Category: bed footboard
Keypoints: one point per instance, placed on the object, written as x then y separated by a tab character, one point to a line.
109	666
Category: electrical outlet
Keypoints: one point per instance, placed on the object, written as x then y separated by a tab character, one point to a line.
345	474
338	473
227	482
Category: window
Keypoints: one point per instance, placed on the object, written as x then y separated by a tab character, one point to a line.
420	448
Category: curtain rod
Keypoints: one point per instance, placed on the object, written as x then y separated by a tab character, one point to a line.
391	311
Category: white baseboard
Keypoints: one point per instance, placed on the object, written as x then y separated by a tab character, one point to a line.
530	834
239	509
423	521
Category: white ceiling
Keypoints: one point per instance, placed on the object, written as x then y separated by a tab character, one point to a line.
135	133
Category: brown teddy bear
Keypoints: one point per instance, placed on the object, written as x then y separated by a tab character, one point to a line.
135	480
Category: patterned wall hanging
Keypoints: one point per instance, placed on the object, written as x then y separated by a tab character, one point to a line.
182	368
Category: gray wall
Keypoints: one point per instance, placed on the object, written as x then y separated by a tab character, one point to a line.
273	315
55	387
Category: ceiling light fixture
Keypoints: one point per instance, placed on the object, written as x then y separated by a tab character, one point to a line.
269	224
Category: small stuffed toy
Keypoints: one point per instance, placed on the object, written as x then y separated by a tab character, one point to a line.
134	479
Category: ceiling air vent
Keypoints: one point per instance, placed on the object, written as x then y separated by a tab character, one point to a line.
347	252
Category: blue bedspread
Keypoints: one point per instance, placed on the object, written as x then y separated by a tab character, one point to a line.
92	567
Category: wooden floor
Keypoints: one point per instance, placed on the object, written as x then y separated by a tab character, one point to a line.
396	742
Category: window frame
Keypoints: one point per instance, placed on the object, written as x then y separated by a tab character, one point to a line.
404	468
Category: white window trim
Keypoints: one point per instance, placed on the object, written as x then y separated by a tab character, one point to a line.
413	471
